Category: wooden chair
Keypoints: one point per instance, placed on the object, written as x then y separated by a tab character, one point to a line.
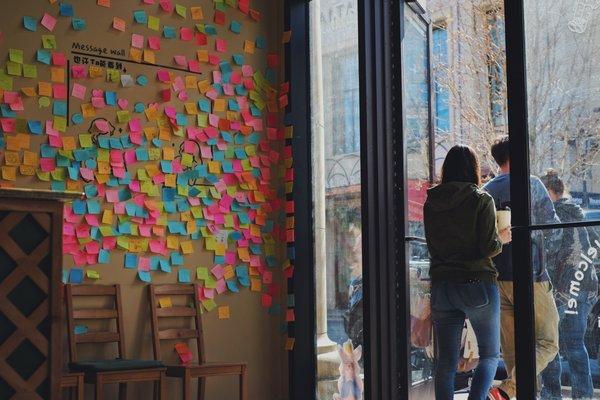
102	372
73	382
187	372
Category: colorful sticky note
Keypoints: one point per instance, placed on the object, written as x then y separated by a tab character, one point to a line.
48	22
223	312
119	24
30	23
78	24
184	275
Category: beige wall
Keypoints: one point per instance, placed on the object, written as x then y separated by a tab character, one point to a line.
250	334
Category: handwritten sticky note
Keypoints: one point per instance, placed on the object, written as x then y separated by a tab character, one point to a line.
140	17
184	353
49	42
15	55
78	24
154	42
137	41
184	275
119	24
92	274
181	10
196	13
78	91
153	23
48	22
249	46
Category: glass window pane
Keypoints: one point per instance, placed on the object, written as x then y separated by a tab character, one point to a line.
337	195
570	302
563	40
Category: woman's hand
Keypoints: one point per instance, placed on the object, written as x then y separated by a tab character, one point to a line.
505	235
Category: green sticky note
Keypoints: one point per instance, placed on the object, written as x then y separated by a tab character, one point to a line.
60	123
209	304
153	23
201	273
13	68
106	230
15	55
6	82
123	242
49	42
85	140
123	116
181	10
29	71
113	75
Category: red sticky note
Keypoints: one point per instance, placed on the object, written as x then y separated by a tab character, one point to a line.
59	91
194	66
220	45
165	95
186	34
78	71
273	60
219	17
166	5
154	42
201	39
59	59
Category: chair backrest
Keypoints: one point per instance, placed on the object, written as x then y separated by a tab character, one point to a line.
190	310
75	314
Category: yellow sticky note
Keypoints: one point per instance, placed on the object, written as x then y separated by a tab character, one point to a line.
219	105
149	57
14	69
30	158
45	89
181	10
9	173
95	71
135	54
187	247
91	274
107	217
289	343
255	285
28	91
12	158
223	312
190	82
165	302
88	110
202	56
168	153
69	143
27	170
249	46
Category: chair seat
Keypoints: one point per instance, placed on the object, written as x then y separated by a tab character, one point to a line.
118	364
206	369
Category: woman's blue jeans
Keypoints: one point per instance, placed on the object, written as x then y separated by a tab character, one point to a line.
571	331
451	303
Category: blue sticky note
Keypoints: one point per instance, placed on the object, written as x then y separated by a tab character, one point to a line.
261	43
80	329
76	275
131	260
164	265
232	286
103	256
78	24
210	30
182	119
77	118
59	108
169	32
30	23
65	9
65	276
144	276
235	26
35	127
204	105
140	17
142	80
79	207
238	59
139	107
166	166
94	207
184	275
110	98
44	56
176	258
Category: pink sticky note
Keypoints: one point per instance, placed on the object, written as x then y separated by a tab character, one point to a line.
193	66
166	5
47	164
78	91
213	59
247	70
180	60
48	22
102	126
78	71
217	271
221	286
98	102
221	45
144	263
137	41
163	75
186	34
154	42
135	125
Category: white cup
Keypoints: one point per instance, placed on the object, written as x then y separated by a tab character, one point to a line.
502	219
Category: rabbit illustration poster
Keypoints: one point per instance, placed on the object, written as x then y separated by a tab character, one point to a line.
350	384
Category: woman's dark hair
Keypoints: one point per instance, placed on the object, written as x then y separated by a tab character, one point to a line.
553	182
461	165
501	150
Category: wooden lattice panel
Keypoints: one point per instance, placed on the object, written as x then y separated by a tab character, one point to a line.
25	275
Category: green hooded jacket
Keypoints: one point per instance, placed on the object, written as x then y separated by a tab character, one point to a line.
460	228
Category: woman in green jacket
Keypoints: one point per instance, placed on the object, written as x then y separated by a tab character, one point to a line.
460	228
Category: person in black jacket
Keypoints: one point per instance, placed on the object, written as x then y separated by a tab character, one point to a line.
460	228
572	272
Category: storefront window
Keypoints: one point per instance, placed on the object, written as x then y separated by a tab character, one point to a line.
337	193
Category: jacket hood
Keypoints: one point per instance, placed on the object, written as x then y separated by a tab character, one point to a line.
451	195
568	211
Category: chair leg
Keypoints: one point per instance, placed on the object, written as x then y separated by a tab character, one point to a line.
201	387
243	384
162	386
187	390
122	391
99	389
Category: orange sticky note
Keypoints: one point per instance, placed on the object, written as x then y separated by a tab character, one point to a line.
104	3
255	285
249	46
119	24
135	54
45	89
286	37
57	74
187	247
289	343
149	57
197	13
9	173
223	312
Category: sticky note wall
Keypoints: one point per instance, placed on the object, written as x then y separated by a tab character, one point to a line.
170	118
